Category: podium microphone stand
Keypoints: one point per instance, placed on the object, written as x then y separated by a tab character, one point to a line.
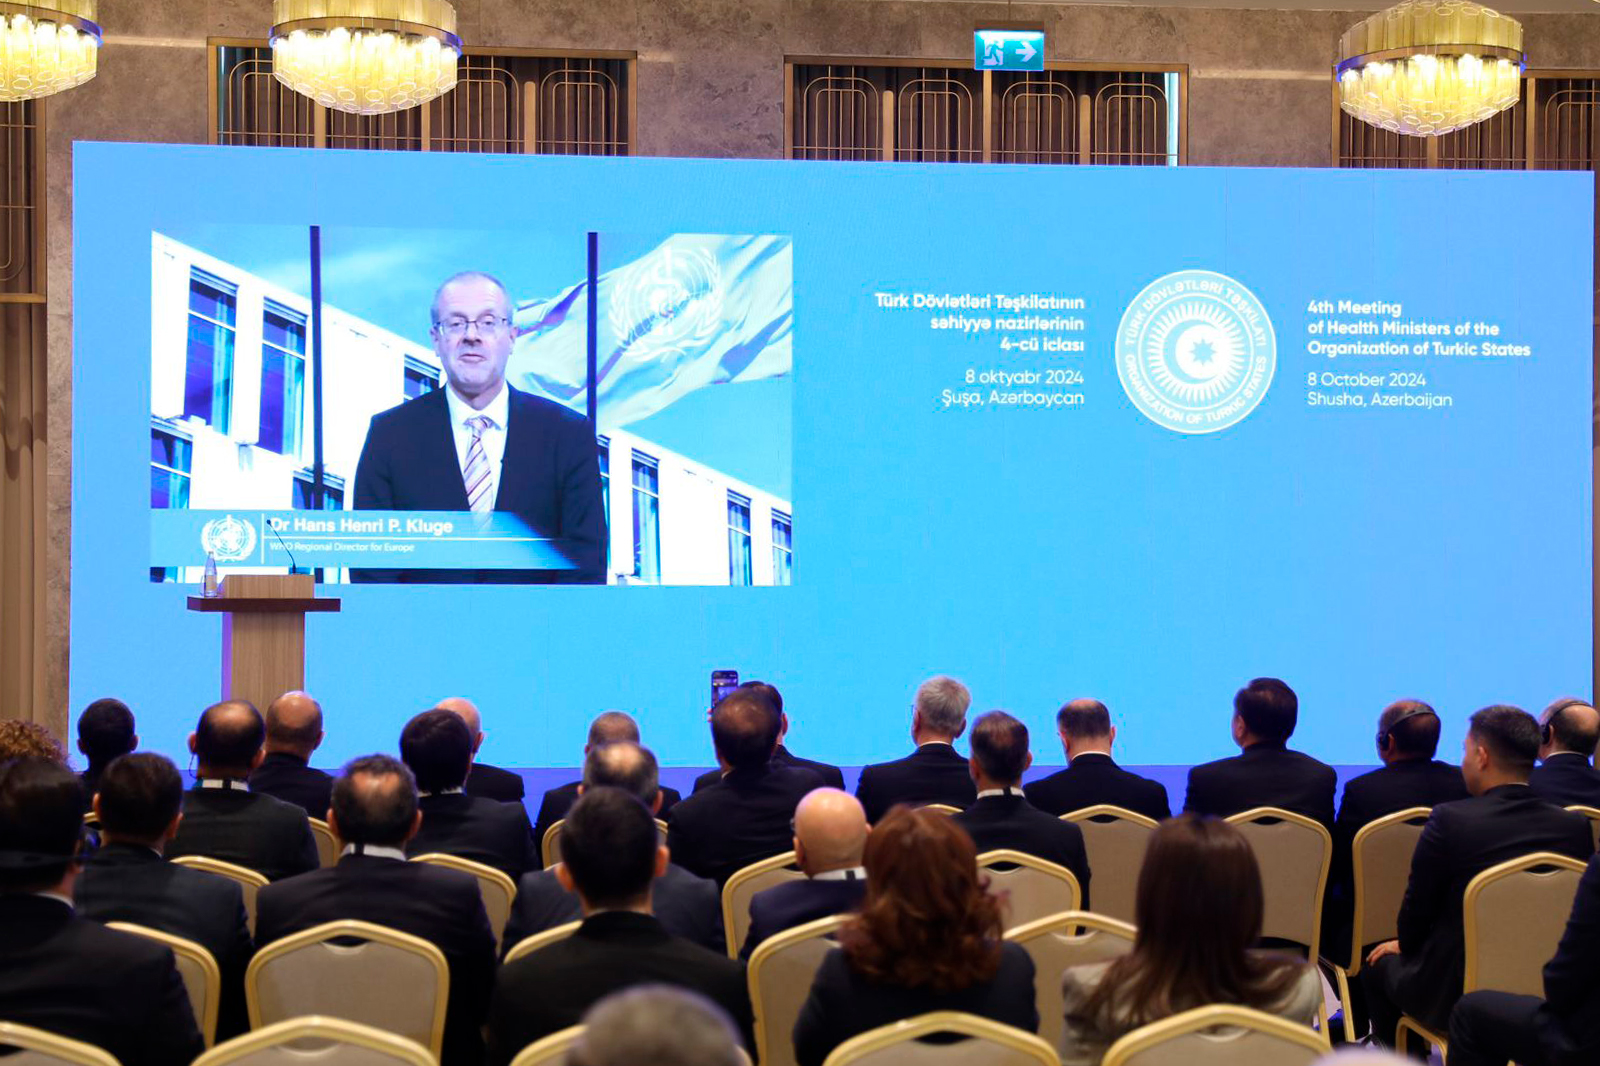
264	632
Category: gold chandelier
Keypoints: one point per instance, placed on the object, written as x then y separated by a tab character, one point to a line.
367	57
46	47
1427	67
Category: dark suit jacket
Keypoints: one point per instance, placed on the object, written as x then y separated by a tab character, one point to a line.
831	776
548	991
1460	841
441	906
550	476
934	773
558	802
844	1003
1093	779
248	829
995	822
491	782
1569	1022
72	976
287	777
487	831
688	906
1566	779
130	883
1263	775
795	903
744	818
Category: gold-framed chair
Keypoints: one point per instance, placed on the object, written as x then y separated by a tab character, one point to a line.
327	844
736	894
1115	839
250	881
345	1043
1073	938
386	979
1192	1038
202	977
942	808
780	973
549	1050
528	945
36	1047
1029	887
550	846
988	1043
498	890
1591	813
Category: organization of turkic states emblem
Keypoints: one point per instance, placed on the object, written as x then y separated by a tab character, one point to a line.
229	539
1196	351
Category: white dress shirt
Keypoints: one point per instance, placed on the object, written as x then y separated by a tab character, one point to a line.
494	437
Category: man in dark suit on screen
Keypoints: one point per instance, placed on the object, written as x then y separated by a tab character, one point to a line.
479	445
935	772
1265	773
1092	777
1565	774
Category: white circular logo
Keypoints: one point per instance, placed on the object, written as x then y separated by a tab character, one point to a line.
229	539
668	304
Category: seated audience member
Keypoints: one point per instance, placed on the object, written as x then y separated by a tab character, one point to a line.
1092	777
483	780
927	938
139	804
1420	973
612	727
105	731
294	731
437	746
1563	1028
1565	776
1001	817
688	906
748	815
830	833
222	818
374	813
29	740
610	855
656	1026
1199	907
1265	773
935	772
831	775
65	973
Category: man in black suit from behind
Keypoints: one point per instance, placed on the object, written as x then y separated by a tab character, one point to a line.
222	818
830	834
65	973
612	727
483	780
1092	777
105	731
479	445
935	772
831	775
688	906
294	731
611	854
374	813
1265	773
1565	776
140	804
1420	973
437	746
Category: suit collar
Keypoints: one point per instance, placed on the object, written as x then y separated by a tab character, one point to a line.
1092	758
126	855
1000	793
284	758
1580	756
373	851
1263	747
30	910
622	925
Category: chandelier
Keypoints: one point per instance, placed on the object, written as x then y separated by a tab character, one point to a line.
1427	67
46	47
366	57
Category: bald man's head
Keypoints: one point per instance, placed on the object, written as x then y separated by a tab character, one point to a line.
467	711
227	740
1570	724
830	831
294	724
613	727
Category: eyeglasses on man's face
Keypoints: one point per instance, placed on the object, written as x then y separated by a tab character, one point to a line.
487	325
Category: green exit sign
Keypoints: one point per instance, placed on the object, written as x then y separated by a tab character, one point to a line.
1008	49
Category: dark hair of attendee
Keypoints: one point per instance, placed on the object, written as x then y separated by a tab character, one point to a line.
1572	732
744	728
1084	718
1413	728
228	737
928	920
437	745
105	730
41	818
375	800
765	691
626	766
1510	734
1000	746
608	844
1199	910
140	795
1269	709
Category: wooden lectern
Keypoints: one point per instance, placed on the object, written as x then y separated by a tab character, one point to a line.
263	632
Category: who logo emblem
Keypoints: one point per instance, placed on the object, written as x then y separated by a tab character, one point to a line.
229	539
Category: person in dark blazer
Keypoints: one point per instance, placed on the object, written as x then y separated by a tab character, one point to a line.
222	818
831	775
1420	973
1092	777
612	727
611	853
688	906
128	880
749	814
437	746
63	972
483	780
1565	776
935	772
927	938
1265	773
374	813
105	731
294	731
479	445
830	834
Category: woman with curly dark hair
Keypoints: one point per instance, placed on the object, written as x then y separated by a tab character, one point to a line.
927	938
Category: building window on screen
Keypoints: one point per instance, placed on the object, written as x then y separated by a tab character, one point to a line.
603	446
305	486
171	459
739	553
646	519
283	380
782	549
208	367
420	378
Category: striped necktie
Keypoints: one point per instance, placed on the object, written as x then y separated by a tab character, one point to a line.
476	473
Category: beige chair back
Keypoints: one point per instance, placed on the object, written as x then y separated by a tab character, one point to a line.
528	945
327	844
1593	814
39	1048
988	1043
551	1050
1219	1036
202	977
1029	888
1115	840
780	974
746	883
498	890
942	808
1294	853
1059	942
317	1040
550	846
250	882
386	979
1381	866
1514	916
